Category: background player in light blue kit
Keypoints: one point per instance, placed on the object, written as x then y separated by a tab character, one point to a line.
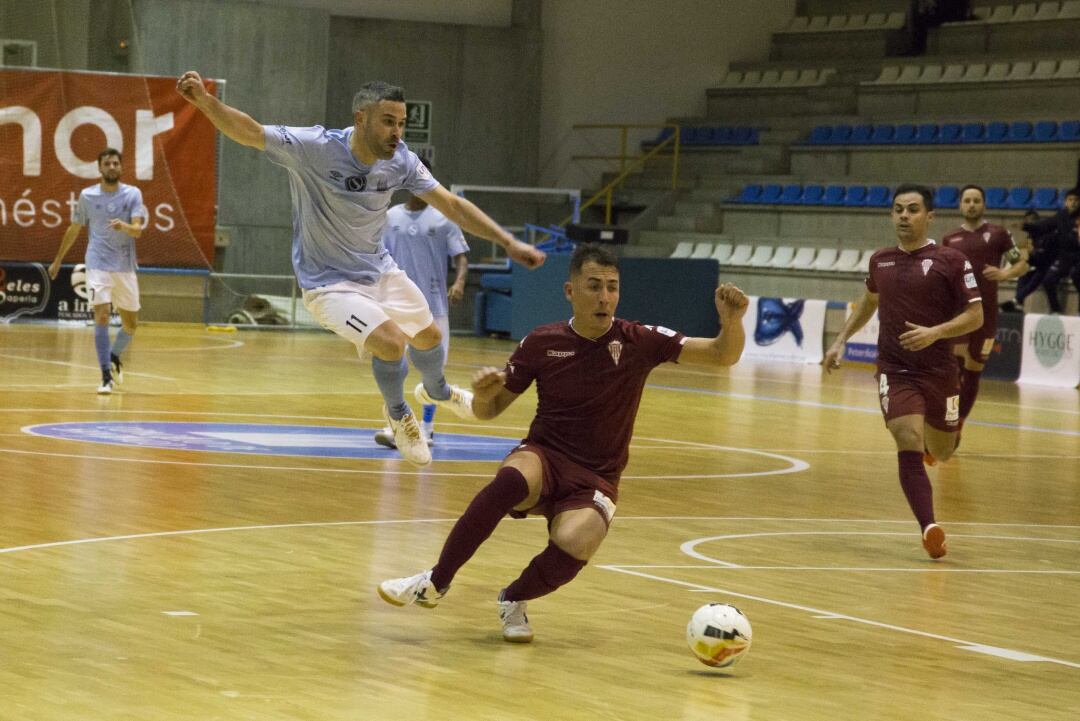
115	214
341	183
421	240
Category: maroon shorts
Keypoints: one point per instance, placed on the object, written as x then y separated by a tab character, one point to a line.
935	397
979	343
568	486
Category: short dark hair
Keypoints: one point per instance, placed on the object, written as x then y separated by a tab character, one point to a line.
107	152
979	188
597	253
376	91
926	192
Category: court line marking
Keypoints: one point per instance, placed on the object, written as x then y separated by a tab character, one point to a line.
816	612
78	365
859	569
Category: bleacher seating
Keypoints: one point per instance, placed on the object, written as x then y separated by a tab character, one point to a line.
844	23
880	196
773	78
1001	71
1024	12
722	252
948	133
707	135
683	249
702	250
740	255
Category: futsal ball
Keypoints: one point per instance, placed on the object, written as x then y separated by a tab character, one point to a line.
719	635
78	281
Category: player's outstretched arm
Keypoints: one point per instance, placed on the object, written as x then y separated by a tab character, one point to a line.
864	311
234	124
65	245
726	348
490	396
471	219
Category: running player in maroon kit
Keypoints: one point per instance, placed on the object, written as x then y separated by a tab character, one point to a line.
925	295
985	245
590	372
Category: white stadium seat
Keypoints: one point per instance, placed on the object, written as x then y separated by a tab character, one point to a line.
1044	69
953	72
682	250
702	250
804	258
895	21
798	24
847	261
931	74
825	259
1000	14
864	260
782	257
722	252
818	22
1070	10
1068	69
761	257
975	72
1023	13
733	77
997	71
856	22
1021	71
837	22
740	255
1047	11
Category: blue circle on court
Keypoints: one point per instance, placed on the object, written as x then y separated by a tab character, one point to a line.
270	440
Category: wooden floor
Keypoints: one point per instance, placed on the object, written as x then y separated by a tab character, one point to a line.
144	583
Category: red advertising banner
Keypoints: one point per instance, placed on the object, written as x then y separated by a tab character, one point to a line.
54	123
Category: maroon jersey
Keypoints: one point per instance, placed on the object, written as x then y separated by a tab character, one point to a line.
984	246
589	390
926	287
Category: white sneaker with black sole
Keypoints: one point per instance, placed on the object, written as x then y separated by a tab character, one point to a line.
459	402
515	623
416	589
409	439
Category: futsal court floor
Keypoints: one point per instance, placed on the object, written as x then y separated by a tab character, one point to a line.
205	544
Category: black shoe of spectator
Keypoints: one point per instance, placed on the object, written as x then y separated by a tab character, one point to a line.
1011	306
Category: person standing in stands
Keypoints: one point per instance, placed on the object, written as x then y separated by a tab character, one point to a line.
1062	253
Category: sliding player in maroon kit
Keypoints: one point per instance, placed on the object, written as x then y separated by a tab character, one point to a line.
985	245
590	372
926	295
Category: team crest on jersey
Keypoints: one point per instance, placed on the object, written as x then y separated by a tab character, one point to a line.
926	266
356	183
615	349
986	237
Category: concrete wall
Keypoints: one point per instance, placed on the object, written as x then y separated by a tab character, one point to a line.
636	61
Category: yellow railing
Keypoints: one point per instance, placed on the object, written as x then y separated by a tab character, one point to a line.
628	163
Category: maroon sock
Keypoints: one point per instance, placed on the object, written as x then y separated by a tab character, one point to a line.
916	485
969	388
494	501
554	567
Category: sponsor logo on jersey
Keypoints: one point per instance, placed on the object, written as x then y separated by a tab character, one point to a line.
886	264
615	348
560	353
969	280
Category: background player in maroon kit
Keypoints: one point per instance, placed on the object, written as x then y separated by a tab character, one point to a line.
985	245
925	295
590	372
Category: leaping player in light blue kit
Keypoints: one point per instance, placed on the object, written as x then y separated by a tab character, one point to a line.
116	216
341	183
421	240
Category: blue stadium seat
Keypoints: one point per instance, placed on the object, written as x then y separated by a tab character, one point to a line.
1020	132
950	133
926	133
860	135
791	195
821	135
973	133
1045	131
771	193
1045	199
996	197
883	133
1019	198
744	136
724	135
905	133
841	134
947	196
750	194
695	136
1069	131
812	195
878	196
834	195
855	196
996	132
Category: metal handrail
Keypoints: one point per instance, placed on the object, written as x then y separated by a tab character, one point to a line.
637	161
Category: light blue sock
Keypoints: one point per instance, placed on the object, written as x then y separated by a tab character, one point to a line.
121	342
101	344
431	363
390	377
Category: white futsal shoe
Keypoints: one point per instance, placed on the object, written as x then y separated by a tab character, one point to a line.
385	438
408	439
106	387
459	402
416	589
515	623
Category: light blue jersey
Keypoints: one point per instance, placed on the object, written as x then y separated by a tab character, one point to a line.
420	243
108	249
339	204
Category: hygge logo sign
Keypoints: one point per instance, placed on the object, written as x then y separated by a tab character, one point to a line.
147	126
1052	344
